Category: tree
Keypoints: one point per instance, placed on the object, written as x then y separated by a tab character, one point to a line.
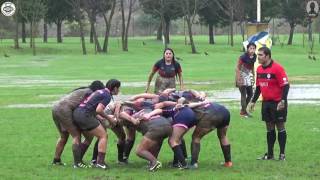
294	13
107	21
125	27
33	11
58	11
165	10
228	9
189	8
211	15
78	14
93	8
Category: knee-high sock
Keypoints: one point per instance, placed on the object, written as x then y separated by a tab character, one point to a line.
101	156
226	149
282	139
179	155
271	139
120	151
195	150
95	151
84	147
249	94
76	153
184	148
243	98
127	148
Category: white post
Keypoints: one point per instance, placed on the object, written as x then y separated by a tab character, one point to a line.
258	11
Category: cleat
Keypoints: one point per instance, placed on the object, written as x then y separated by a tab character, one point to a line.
249	115
244	114
193	166
155	167
183	167
123	162
81	165
93	162
174	165
266	157
58	163
101	166
228	164
282	157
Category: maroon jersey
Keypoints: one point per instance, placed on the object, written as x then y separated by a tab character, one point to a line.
271	80
167	71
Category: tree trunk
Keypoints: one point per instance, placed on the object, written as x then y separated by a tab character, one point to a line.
76	6
33	27
167	30
108	27
231	23
123	29
16	37
23	31
291	33
242	30
45	32
83	43
310	31
31	33
159	32
91	35
59	37
193	47
273	37
128	25
95	37
211	35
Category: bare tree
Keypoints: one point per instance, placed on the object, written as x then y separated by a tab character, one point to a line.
33	11
126	24
228	9
78	17
107	21
23	31
45	31
92	8
185	4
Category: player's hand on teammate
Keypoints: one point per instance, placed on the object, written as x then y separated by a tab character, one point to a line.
113	122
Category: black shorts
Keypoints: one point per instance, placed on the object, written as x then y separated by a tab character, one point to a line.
84	120
159	132
270	114
214	116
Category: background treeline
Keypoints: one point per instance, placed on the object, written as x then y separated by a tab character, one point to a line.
101	19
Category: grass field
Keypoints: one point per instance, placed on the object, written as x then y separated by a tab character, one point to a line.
29	84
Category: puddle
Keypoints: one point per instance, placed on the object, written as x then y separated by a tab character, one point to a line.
298	94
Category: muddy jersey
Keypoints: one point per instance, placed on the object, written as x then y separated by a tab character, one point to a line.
146	104
73	99
212	115
188	95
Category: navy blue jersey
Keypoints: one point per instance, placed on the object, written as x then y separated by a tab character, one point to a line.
169	112
165	70
100	96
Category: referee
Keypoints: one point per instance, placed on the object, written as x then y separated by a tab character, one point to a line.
272	83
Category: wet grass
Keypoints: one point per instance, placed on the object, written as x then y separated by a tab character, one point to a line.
29	135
